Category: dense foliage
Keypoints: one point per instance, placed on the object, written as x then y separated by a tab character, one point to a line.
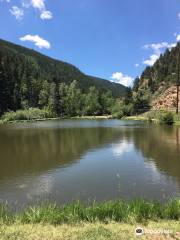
29	79
61	100
166	118
131	104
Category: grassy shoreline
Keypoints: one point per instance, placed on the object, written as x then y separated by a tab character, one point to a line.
57	118
146	119
105	221
104	117
118	210
35	114
157	117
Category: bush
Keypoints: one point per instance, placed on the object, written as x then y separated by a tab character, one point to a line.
121	110
166	118
27	114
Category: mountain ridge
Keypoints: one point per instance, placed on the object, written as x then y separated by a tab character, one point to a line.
27	75
35	54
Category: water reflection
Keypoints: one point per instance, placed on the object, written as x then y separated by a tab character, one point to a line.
85	160
162	146
30	151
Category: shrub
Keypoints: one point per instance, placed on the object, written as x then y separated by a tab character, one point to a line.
166	118
121	110
27	114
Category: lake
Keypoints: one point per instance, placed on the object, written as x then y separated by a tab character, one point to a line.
88	160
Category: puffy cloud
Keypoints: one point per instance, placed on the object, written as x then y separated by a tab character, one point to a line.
136	65
152	59
157	49
46	15
17	12
178	37
40	4
119	77
38	41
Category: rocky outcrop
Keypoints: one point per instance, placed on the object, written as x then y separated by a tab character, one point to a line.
167	100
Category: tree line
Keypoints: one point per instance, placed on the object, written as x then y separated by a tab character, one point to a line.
69	100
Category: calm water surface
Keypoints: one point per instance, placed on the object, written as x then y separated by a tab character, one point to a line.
88	160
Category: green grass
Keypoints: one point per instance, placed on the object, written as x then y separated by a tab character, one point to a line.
118	211
114	220
161	117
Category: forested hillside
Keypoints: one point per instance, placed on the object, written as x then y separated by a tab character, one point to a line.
156	88
30	79
163	75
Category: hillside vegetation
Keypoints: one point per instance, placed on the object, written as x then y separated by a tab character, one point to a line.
155	89
29	79
157	83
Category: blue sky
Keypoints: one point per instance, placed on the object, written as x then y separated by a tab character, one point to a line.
111	39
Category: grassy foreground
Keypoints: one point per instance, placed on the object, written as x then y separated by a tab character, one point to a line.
90	231
112	220
118	211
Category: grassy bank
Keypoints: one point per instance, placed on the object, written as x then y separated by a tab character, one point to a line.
93	117
35	114
26	115
118	211
156	117
90	231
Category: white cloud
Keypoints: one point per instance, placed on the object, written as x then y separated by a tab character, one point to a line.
39	4
119	77
46	15
38	41
179	16
152	59
136	65
157	49
178	37
17	12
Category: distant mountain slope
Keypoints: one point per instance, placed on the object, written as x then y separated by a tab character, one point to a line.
49	68
24	71
157	82
117	90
